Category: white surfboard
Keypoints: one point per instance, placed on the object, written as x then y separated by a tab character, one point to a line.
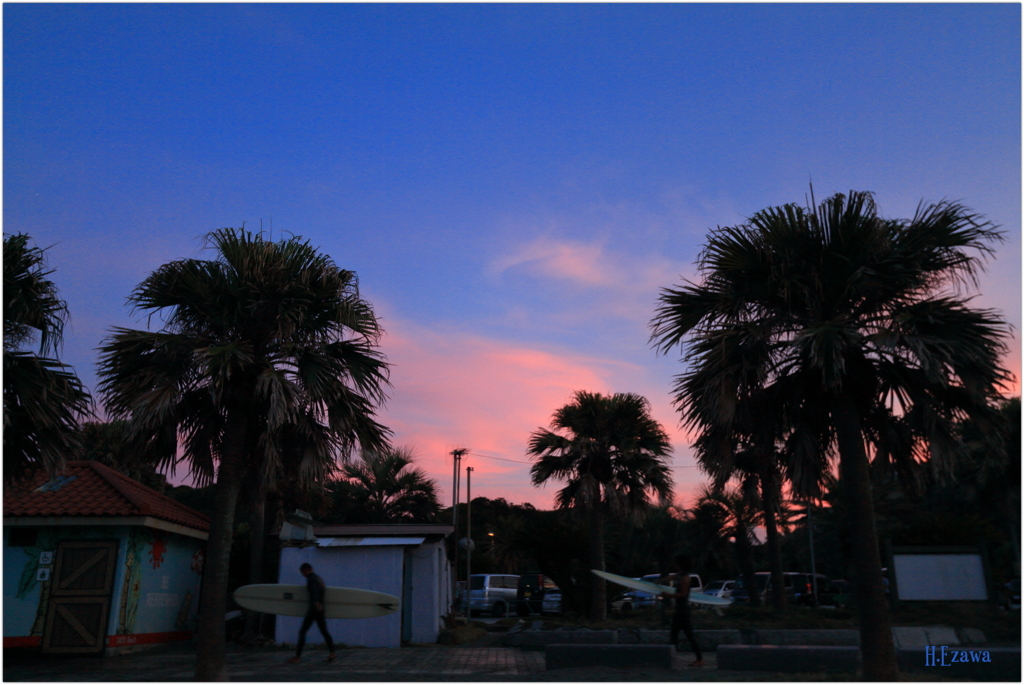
293	600
655	589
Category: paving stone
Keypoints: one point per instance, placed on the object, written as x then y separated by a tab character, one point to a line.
539	639
612	656
909	637
789	658
707	639
970	636
942	635
840	638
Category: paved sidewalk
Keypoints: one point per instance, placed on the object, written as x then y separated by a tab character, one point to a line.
482	661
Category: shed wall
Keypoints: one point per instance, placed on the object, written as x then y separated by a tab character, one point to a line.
429	591
368	568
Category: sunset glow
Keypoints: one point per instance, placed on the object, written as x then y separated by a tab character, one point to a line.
513	184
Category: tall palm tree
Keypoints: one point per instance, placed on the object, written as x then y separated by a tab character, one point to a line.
755	452
760	466
384	488
612	455
842	315
43	398
264	347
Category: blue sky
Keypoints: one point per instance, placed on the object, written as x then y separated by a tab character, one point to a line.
512	183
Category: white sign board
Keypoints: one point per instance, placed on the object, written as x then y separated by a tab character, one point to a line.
940	576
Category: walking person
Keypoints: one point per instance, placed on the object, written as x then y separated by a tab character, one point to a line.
316	586
681	616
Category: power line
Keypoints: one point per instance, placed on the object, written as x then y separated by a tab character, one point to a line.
515	461
487	456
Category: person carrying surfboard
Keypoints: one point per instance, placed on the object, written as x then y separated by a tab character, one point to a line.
316	587
681	617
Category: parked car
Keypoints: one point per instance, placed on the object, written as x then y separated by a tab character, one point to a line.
798	587
531	591
804	586
719	588
740	591
632	600
836	594
492	592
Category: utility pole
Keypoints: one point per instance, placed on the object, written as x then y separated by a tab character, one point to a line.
457	455
469	538
814	570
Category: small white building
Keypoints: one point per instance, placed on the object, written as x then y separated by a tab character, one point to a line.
405	560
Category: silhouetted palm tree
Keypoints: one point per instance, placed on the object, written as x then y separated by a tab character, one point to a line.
265	347
43	398
384	488
730	514
116	445
612	455
839	315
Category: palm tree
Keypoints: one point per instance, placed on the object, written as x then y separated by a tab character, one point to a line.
384	488
114	443
266	350
730	513
612	455
841	316
43	398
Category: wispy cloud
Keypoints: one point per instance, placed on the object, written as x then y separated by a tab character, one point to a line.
617	282
582	263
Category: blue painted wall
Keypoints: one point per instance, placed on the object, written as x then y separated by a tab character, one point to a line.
156	581
366	568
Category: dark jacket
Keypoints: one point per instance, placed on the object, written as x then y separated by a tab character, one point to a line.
316	586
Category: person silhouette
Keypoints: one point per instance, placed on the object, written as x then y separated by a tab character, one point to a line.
681	616
316	587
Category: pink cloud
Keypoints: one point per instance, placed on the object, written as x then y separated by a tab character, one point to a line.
583	263
622	284
453	389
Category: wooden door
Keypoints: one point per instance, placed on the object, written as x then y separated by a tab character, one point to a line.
80	591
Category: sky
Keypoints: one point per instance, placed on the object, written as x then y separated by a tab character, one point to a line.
513	184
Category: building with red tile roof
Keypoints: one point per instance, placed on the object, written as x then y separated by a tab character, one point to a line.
96	562
89	493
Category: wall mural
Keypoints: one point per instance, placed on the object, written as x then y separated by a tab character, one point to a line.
131	588
182	622
157	550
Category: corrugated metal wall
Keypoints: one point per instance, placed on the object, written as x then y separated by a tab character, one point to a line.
379	568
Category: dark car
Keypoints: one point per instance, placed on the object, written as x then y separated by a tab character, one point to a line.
836	594
761	585
798	587
804	586
531	591
631	600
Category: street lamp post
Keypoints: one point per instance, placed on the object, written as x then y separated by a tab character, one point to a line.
469	536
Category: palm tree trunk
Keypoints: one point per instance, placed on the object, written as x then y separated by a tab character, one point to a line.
746	560
869	589
749	490
211	642
769	499
257	535
598	610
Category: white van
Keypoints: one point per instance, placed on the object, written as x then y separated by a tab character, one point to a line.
670	580
492	592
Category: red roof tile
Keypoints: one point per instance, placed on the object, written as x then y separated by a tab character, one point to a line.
96	490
